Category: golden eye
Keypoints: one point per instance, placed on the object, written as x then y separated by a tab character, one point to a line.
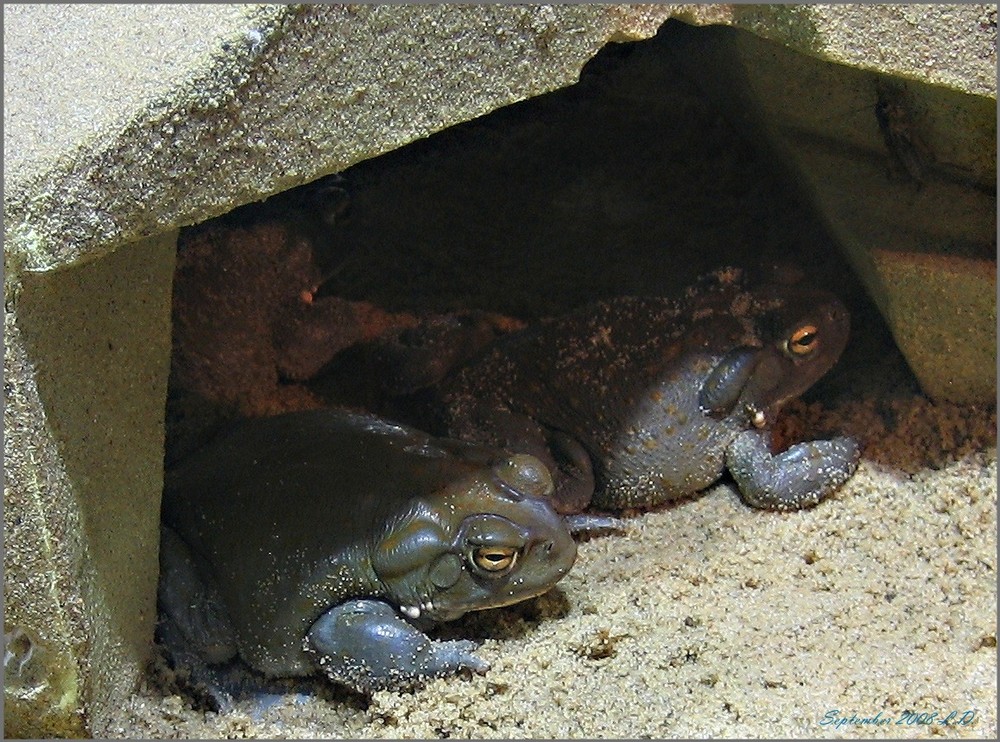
803	340
494	558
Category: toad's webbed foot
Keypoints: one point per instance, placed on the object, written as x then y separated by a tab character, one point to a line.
228	686
797	478
366	645
587	524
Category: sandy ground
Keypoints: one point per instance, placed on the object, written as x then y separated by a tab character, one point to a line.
711	619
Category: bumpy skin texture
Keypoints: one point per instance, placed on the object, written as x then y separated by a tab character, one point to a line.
636	401
329	540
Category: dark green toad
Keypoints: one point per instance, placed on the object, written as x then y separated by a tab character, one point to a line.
331	540
636	401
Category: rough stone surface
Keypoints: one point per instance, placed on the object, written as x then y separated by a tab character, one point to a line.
86	367
939	43
944	313
44	626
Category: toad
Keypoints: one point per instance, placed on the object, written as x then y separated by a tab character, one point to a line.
635	401
327	540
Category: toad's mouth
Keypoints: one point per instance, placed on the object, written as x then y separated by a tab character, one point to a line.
427	611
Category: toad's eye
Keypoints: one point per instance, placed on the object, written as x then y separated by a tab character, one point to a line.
494	558
803	340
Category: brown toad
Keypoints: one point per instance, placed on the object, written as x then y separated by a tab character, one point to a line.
636	401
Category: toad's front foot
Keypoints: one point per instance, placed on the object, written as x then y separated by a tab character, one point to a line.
366	645
797	478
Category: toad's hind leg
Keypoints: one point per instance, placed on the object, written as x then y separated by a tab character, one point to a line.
195	629
797	478
366	645
191	603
